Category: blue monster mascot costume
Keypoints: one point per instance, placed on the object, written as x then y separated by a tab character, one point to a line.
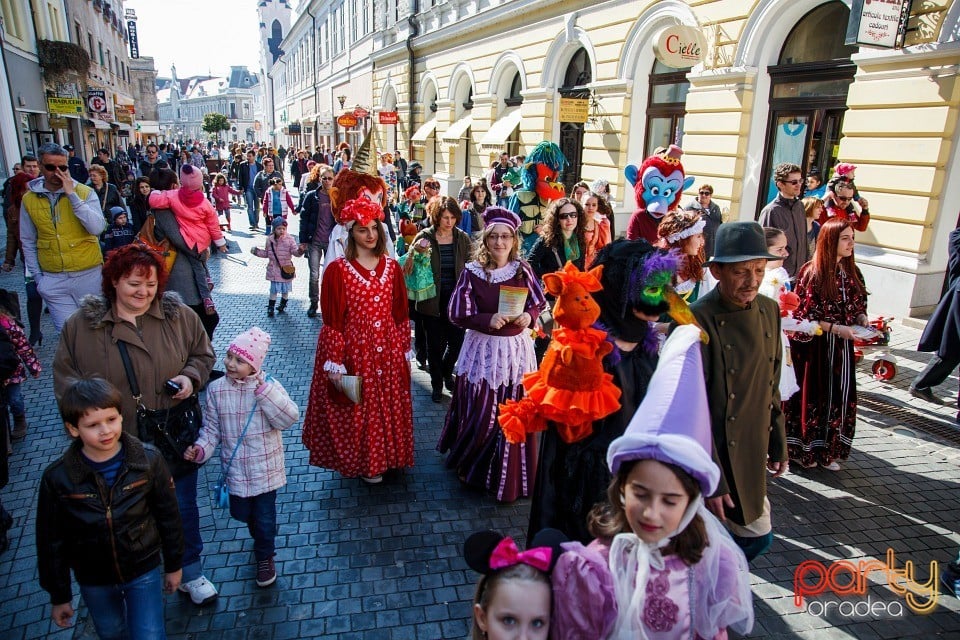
539	189
658	184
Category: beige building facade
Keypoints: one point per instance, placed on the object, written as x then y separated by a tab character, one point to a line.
775	83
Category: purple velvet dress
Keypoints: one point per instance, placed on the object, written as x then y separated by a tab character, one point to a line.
489	371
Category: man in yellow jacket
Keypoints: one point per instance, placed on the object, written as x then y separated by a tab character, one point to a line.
60	224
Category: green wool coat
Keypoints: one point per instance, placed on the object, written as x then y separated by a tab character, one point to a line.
741	365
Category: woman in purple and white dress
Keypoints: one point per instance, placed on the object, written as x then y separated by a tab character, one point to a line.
497	351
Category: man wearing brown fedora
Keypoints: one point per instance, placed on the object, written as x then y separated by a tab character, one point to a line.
741	366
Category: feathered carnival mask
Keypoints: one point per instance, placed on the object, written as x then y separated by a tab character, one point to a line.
659	182
360	210
540	171
412	193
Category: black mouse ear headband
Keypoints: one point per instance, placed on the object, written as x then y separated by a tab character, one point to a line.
489	551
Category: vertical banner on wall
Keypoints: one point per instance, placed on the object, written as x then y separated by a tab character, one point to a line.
131	17
878	23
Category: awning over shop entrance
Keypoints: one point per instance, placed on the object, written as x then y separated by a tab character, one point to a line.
148	127
96	123
452	136
496	137
426	130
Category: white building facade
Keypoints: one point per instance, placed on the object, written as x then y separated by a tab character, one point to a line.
181	105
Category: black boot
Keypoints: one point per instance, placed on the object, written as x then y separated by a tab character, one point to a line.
270	305
312	311
282	306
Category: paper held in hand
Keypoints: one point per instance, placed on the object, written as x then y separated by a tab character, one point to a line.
350	386
512	301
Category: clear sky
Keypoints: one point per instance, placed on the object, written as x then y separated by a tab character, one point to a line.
198	36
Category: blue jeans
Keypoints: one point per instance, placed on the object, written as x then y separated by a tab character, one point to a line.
253	207
260	515
186	488
15	399
131	611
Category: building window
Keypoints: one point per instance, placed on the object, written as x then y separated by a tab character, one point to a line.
12	18
56	25
514	98
93	52
233	110
76	27
100	47
666	107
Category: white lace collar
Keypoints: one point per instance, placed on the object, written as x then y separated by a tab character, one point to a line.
502	274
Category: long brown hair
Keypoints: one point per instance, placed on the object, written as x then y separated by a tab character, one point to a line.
350	251
551	233
677	221
823	266
608	519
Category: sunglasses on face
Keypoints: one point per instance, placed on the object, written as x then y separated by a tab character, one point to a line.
793	182
841	199
326	178
566	215
705	193
53	167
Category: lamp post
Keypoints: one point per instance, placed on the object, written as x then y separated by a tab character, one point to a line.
342	100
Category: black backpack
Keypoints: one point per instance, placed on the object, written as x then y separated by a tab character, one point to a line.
9	358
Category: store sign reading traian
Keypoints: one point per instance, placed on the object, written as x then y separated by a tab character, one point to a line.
680	46
878	23
574	110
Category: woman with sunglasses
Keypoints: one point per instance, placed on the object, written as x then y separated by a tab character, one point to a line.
710	212
316	223
562	240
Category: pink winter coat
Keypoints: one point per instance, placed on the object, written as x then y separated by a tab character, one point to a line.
199	225
286	248
221	196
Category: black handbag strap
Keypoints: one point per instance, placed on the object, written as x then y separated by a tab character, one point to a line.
274	249
128	367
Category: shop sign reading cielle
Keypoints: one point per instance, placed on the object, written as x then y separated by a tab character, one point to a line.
680	46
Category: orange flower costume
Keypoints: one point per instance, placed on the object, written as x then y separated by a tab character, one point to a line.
570	389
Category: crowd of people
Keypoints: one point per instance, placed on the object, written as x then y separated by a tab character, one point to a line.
401	274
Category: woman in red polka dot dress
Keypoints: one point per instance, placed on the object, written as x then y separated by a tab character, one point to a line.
366	333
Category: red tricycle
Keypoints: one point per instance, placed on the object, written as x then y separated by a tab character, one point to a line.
884	363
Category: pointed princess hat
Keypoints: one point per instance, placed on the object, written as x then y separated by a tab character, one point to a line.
672	424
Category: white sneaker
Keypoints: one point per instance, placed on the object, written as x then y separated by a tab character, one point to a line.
201	590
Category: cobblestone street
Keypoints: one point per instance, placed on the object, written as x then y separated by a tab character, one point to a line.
384	562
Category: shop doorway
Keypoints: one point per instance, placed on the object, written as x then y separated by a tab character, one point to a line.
575	79
808	97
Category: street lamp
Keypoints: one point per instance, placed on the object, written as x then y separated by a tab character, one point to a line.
342	100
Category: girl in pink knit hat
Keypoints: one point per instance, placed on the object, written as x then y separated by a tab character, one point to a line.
244	412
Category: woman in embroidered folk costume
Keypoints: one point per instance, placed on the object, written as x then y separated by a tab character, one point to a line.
682	231
366	333
497	300
820	419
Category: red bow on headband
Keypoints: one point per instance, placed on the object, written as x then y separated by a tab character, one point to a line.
506	555
361	210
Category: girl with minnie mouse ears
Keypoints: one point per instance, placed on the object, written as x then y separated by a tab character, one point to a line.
513	598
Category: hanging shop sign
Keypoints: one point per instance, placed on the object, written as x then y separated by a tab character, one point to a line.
389	117
294	129
360	112
57	122
64	106
97	101
123	113
878	23
574	110
134	42
680	46
347	120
